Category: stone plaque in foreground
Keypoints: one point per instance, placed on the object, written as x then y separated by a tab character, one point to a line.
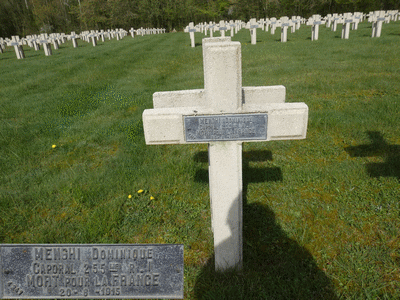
91	271
226	127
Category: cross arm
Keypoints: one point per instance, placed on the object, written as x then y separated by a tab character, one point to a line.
285	121
197	98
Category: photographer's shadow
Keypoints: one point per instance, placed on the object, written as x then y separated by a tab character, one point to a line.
274	266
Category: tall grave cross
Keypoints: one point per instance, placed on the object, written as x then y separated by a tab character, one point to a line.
43	39
377	19
17	43
222	28
284	27
253	25
224	115
192	29
347	20
74	38
315	21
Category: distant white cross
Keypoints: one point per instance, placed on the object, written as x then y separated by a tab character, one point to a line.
17	43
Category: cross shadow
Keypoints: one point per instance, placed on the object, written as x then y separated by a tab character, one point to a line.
274	265
33	55
379	147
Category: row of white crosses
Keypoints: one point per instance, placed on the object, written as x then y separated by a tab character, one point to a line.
264	24
252	25
376	18
146	31
56	39
393	15
224	115
284	23
222	27
32	41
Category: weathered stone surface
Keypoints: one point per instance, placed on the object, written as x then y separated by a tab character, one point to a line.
225	127
91	271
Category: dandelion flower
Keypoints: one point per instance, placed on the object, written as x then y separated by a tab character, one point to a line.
140	191
53	146
151	198
130	196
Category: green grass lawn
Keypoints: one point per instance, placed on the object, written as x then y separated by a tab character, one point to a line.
321	215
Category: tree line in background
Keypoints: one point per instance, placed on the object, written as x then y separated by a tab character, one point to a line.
24	17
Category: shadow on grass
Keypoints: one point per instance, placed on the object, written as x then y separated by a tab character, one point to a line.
249	174
34	55
274	266
379	147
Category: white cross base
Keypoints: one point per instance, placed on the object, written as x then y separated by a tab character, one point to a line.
222	97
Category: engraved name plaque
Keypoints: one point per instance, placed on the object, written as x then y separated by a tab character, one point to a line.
91	271
239	127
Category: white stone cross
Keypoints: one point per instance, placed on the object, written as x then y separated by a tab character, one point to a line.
347	20
328	20
132	31
253	25
17	43
335	19
273	23
222	28
238	26
233	27
211	26
357	19
43	39
93	36
224	115
284	27
192	29
297	23
54	38
377	20
74	38
101	34
315	21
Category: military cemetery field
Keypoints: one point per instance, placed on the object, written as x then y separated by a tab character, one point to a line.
321	216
